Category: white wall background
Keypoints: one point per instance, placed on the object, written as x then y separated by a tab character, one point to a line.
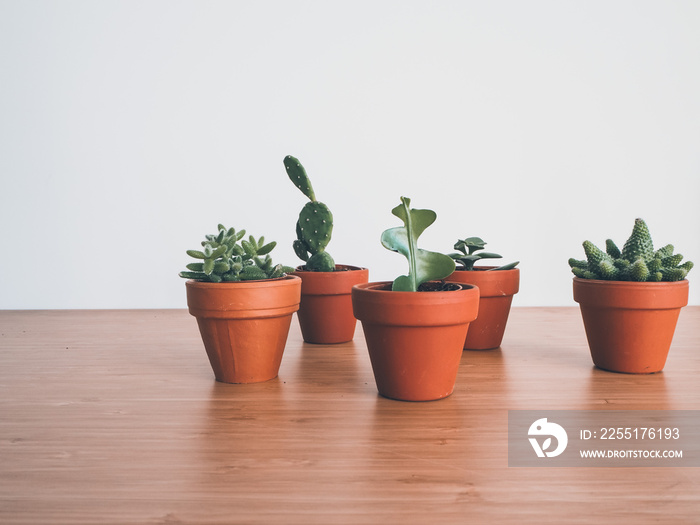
129	129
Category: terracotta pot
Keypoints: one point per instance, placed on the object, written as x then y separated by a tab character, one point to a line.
325	314
414	339
244	325
496	290
630	325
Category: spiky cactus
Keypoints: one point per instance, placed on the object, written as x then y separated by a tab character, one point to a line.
637	261
468	256
223	259
315	223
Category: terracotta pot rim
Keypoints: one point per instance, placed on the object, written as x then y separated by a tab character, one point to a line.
244	299
378	286
631	284
486	268
345	268
442	308
499	283
331	283
242	284
630	295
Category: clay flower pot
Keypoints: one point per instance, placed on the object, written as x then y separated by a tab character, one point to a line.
496	290
325	313
630	325
244	325
414	339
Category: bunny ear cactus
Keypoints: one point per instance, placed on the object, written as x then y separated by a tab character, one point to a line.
637	261
468	257
315	223
423	265
223	259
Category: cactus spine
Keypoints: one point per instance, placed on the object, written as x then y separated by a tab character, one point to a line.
636	262
223	259
315	223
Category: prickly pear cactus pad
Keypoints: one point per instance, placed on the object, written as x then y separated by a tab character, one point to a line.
297	174
315	224
637	261
423	265
224	259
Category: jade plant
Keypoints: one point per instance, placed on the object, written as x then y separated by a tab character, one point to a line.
423	266
315	223
637	261
224	259
468	256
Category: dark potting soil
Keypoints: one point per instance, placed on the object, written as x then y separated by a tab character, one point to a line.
439	286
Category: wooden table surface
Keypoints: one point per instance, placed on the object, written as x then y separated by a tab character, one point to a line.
115	417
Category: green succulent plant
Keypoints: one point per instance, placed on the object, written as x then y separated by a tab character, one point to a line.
468	256
637	261
423	266
224	259
315	223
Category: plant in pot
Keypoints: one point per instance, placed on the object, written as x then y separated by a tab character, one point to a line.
497	285
243	304
415	326
630	300
325	314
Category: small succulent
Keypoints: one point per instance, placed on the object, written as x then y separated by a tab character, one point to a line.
637	261
468	257
315	223
223	259
423	266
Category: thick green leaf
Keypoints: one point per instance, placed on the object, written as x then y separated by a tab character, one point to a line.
277	271
431	266
199	276
320	262
470	245
218	251
251	273
403	283
396	240
416	221
488	255
297	174
423	265
249	248
221	267
267	248
300	250
509	266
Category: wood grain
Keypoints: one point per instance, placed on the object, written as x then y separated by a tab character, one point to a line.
115	417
